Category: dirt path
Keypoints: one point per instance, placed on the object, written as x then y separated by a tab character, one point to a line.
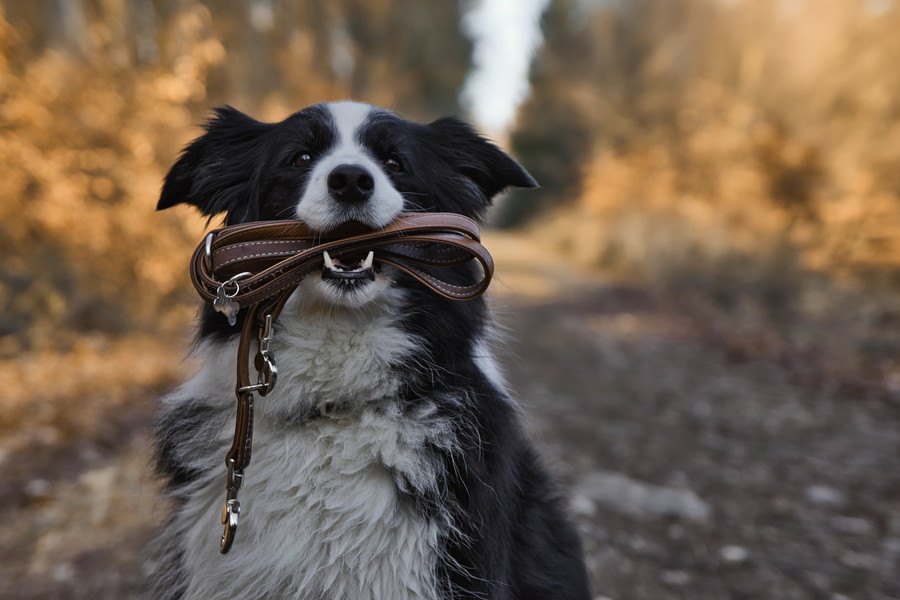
697	471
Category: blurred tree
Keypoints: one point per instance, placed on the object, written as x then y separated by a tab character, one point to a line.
97	97
405	54
801	94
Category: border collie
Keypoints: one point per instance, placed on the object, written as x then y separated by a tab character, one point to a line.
390	461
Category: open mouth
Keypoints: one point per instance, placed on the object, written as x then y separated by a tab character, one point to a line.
350	269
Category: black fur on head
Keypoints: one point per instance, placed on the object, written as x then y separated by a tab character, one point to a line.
256	171
449	166
219	171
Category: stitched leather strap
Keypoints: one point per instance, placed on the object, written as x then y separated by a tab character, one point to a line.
279	254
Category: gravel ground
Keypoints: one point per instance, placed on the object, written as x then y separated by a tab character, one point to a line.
700	473
698	470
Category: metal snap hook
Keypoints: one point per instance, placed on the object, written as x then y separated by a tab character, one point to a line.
231	509
230	512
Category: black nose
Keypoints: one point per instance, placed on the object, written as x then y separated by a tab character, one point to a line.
350	183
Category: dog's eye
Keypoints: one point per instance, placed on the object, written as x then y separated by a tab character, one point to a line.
302	159
393	165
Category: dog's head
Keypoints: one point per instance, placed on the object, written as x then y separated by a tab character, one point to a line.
334	163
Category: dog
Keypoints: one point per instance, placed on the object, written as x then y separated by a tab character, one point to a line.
390	462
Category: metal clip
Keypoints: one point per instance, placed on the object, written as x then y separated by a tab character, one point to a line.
231	510
264	363
265	335
266	369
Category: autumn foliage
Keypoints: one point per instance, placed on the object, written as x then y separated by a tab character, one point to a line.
95	108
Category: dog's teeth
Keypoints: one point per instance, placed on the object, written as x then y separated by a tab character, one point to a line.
367	264
328	262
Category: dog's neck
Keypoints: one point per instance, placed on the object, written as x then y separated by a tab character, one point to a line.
336	361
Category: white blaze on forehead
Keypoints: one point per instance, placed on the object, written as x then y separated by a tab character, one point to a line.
348	116
316	207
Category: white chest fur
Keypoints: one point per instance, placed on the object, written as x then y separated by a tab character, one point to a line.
322	514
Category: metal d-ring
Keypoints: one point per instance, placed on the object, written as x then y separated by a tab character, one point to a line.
234	281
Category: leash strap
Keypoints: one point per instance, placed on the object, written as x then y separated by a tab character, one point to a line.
257	266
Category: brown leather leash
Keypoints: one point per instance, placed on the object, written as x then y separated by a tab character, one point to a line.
258	266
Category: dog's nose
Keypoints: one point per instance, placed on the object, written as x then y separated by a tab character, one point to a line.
350	183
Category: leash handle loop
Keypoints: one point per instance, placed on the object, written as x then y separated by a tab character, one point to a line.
279	254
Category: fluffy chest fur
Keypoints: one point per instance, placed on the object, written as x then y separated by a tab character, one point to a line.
330	356
327	509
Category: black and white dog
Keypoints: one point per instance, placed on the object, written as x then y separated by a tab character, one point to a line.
390	462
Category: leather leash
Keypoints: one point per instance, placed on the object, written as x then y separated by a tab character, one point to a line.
258	266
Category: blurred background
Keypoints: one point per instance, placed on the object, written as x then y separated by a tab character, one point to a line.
701	304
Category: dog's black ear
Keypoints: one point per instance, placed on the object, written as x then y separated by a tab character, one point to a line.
215	172
472	155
